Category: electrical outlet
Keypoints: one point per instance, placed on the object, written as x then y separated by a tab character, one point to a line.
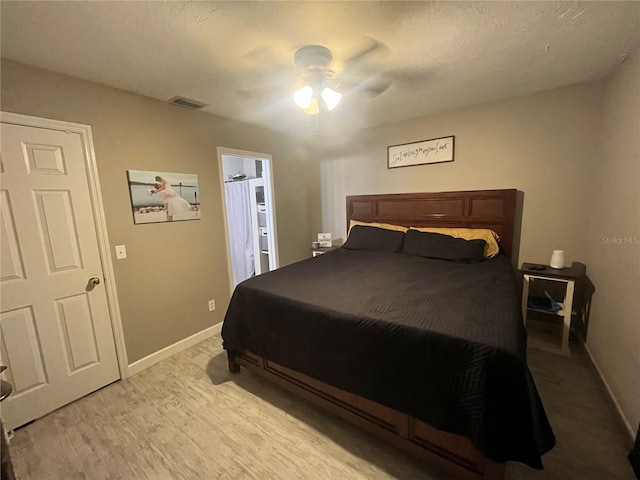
212	305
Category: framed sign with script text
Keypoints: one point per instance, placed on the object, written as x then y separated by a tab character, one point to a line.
436	150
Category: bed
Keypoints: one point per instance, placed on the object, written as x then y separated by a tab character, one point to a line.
427	354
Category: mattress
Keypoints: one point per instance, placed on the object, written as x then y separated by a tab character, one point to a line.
441	341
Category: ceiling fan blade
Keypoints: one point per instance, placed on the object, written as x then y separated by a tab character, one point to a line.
372	46
371	85
361	72
267	91
267	57
412	75
269	74
378	88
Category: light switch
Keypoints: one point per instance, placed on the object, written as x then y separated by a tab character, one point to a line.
121	252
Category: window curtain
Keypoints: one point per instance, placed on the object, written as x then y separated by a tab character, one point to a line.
238	200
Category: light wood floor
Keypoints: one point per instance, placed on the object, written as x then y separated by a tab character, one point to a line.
187	418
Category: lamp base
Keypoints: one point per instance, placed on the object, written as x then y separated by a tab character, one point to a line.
557	260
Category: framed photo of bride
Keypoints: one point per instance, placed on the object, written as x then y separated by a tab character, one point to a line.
158	197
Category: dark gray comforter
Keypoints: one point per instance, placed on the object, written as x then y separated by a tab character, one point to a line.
441	341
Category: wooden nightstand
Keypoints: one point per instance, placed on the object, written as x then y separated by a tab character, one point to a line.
544	273
320	250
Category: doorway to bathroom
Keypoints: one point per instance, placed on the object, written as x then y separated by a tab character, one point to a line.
249	210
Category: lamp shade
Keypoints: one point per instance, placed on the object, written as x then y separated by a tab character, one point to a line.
303	97
331	97
557	259
312	109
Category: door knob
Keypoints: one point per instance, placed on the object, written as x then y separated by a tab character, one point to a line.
94	281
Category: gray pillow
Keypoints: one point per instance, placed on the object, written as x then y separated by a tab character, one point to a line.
374	239
445	247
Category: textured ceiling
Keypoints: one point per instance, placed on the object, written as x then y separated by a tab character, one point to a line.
237	57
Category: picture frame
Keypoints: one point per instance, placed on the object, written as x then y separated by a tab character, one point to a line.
324	239
158	197
435	150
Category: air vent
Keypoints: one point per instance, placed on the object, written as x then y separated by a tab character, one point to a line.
187	103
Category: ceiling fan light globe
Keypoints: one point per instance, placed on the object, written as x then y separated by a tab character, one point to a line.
331	97
312	109
303	97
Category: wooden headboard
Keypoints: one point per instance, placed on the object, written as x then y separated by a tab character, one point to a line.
494	209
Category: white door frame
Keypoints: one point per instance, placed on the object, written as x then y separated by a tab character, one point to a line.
84	131
273	230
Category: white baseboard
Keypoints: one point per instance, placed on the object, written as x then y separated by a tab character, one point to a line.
167	352
630	432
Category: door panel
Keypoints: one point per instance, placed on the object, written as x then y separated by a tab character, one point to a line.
55	327
11	259
76	321
57	228
21	346
44	159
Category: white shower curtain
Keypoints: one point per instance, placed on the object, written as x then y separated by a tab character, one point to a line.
238	198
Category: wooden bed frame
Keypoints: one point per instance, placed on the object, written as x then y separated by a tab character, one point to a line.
495	209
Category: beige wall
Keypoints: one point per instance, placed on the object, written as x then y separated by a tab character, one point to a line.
541	144
172	269
613	241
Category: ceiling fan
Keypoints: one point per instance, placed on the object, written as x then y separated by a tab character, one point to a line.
321	86
319	82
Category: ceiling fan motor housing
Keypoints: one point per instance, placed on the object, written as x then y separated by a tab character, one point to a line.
313	57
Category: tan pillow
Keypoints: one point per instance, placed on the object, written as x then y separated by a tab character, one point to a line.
386	226
491	249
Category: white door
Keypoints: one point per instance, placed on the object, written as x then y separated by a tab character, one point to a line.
55	329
